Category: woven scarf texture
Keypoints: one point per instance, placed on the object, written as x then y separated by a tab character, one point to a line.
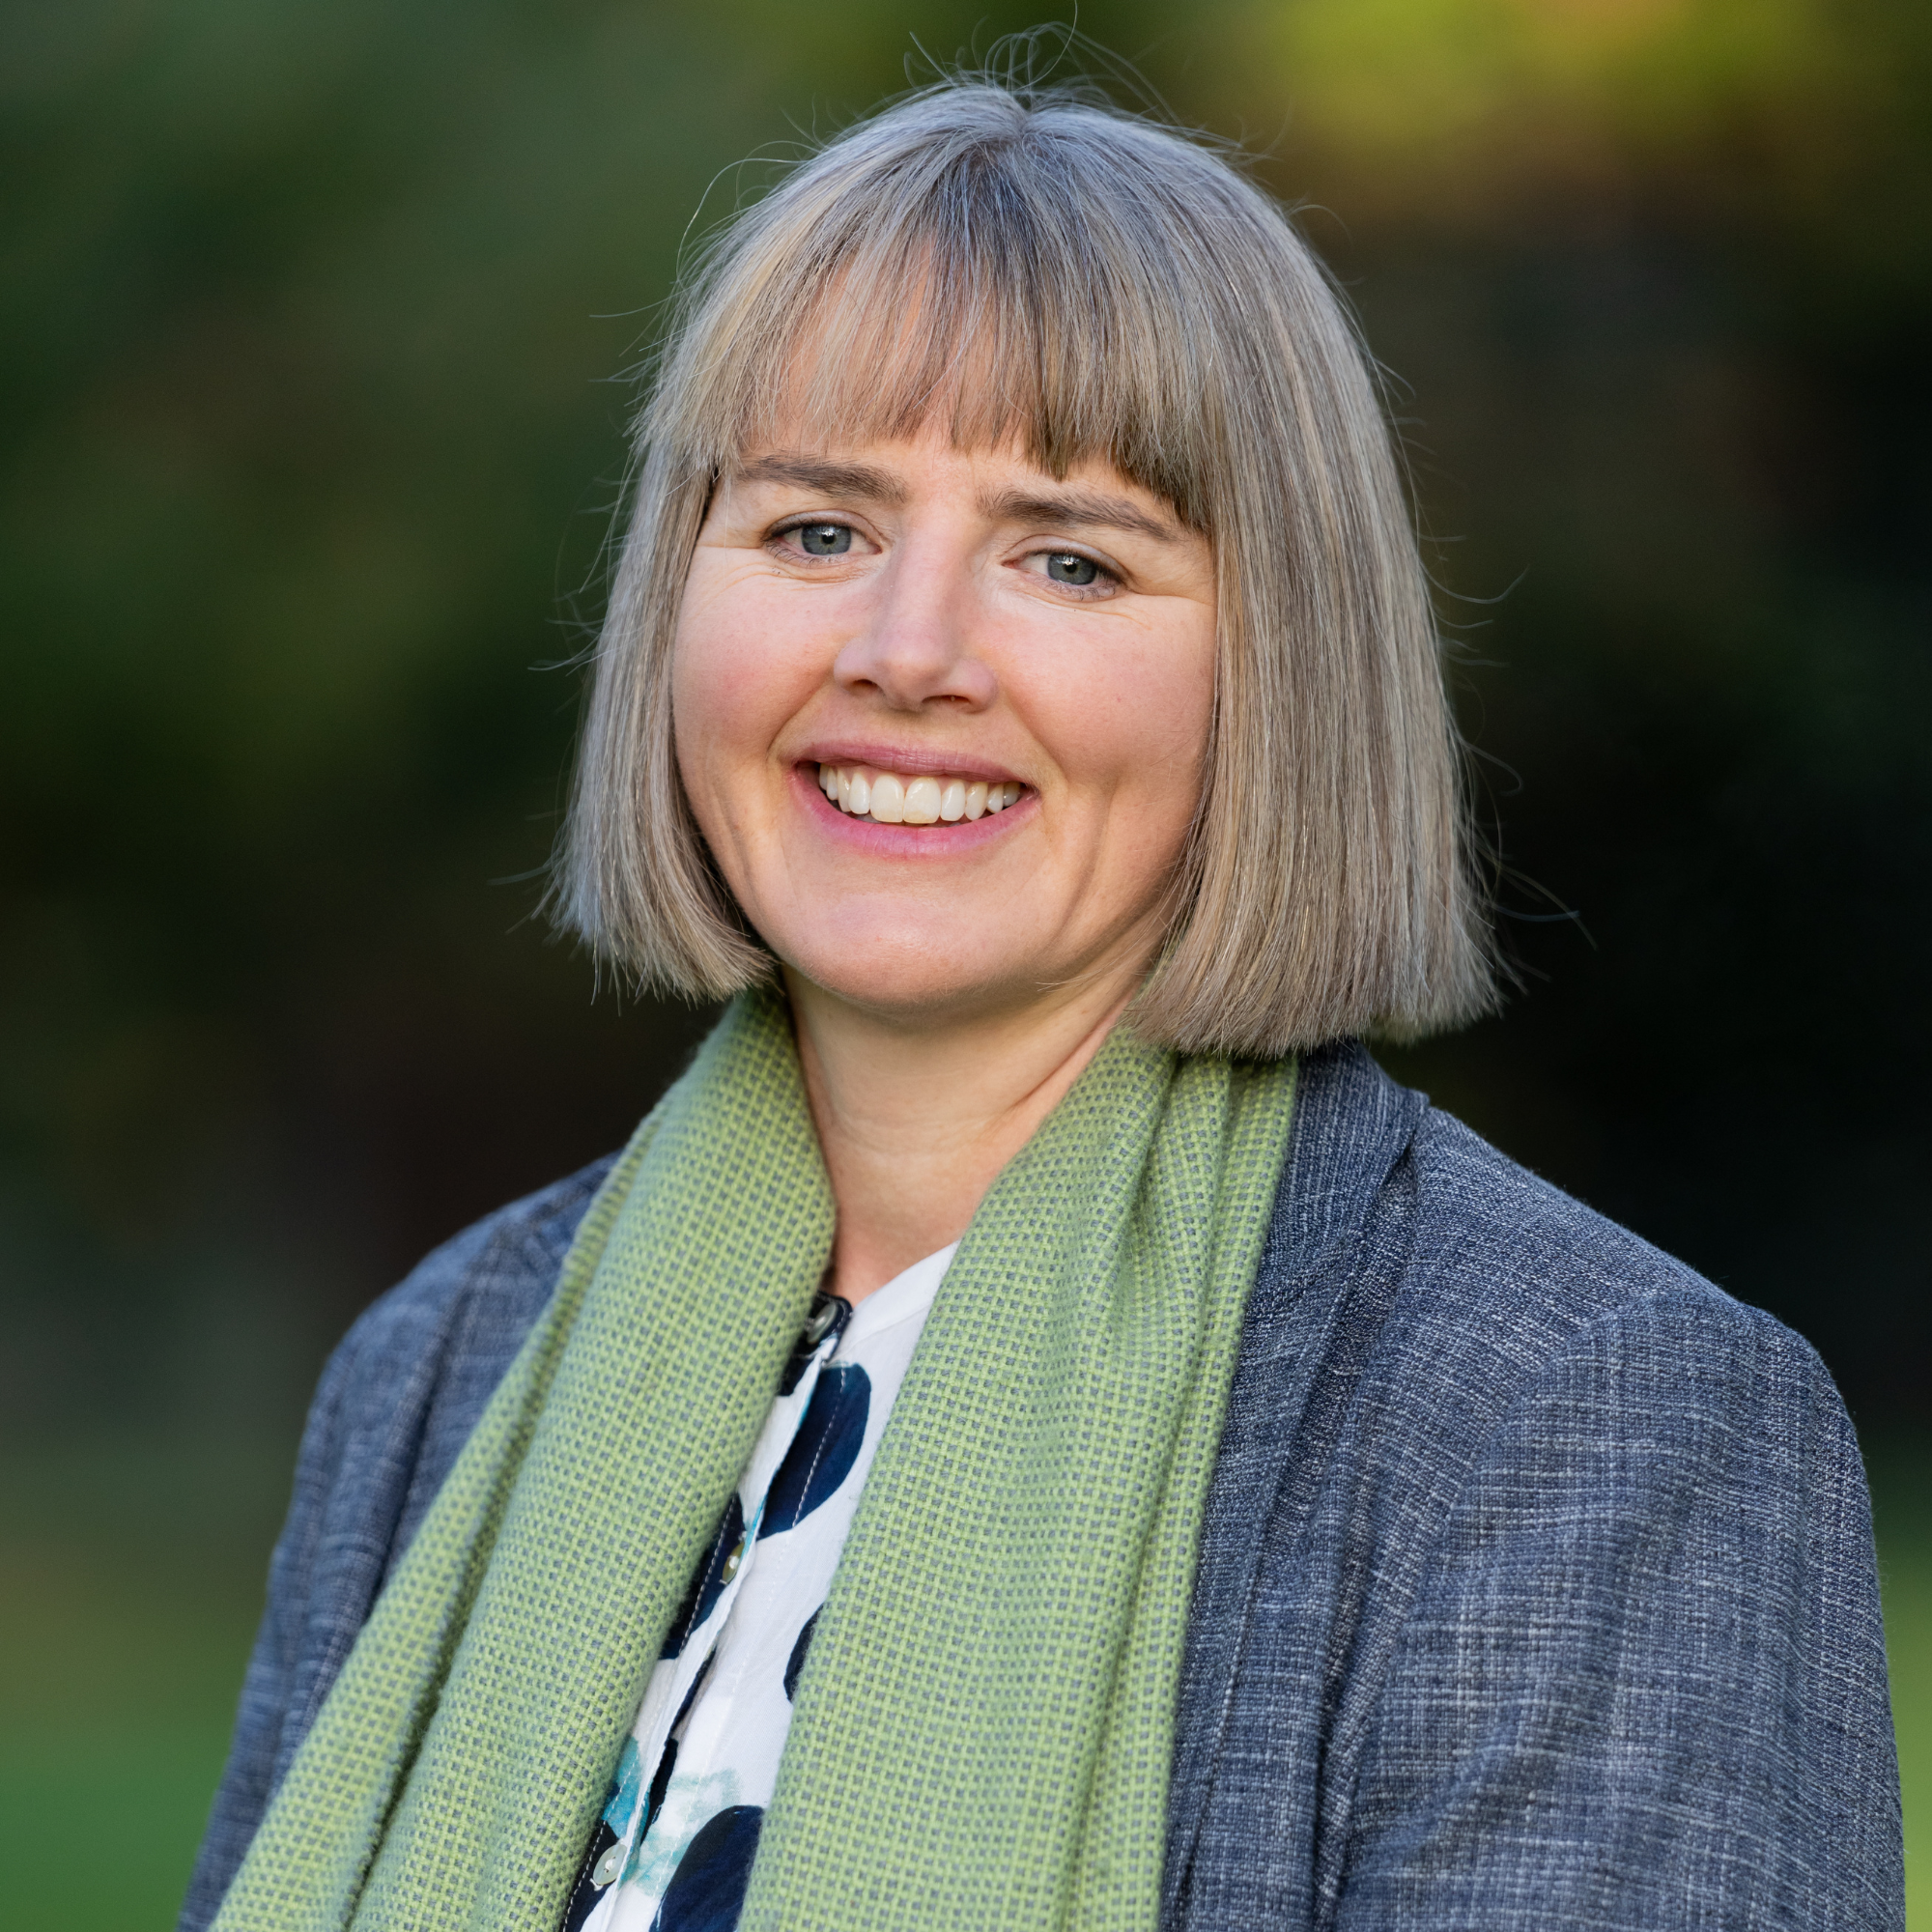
983	1728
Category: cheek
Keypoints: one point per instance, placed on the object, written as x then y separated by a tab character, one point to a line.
1139	729
735	680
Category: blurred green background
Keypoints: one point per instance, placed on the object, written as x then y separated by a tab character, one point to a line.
313	320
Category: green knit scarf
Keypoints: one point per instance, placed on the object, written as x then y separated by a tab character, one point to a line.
982	1732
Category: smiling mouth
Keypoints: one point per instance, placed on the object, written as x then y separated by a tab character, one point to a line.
886	798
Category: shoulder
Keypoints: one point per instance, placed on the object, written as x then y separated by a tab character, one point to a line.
398	1398
1427	1305
485	1285
397	1401
1514	1282
1491	1276
1503	1352
1505	1486
409	1381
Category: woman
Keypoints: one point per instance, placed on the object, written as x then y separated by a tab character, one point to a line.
1019	691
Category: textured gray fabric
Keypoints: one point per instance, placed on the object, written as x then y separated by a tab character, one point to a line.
1536	1586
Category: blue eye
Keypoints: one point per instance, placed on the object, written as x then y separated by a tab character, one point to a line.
824	539
1067	568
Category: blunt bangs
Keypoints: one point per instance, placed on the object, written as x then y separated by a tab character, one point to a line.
1011	303
1039	273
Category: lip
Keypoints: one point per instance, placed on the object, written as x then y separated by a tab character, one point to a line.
905	760
957	841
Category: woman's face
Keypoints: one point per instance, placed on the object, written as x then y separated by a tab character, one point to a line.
946	630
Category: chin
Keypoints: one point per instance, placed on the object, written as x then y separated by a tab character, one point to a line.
912	983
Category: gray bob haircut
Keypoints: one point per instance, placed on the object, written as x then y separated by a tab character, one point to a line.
1035	269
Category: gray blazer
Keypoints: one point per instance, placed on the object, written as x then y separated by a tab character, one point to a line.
1536	1586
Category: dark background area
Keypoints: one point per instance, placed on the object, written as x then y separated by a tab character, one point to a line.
311	319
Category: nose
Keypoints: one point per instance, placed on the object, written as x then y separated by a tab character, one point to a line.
917	653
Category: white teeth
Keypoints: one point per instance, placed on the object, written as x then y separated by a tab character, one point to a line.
890	800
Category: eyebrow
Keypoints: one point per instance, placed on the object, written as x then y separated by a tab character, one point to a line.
1065	509
1078	509
832	479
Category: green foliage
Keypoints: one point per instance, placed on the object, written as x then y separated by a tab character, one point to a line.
1902	1504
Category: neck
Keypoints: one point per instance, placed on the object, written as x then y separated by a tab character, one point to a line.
917	1122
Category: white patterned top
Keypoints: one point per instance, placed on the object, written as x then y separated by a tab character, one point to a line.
672	1851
